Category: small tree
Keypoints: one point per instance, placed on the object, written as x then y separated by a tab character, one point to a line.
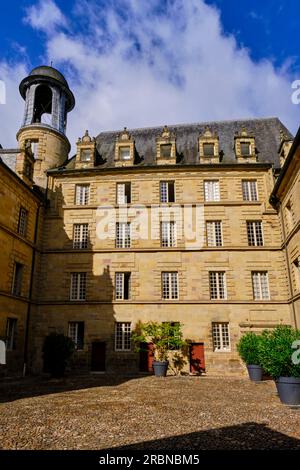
164	336
248	348
57	350
276	351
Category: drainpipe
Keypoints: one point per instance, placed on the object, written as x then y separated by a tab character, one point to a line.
288	264
26	339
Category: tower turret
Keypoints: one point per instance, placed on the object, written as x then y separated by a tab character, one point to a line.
48	99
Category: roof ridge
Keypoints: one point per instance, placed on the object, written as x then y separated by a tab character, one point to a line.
200	123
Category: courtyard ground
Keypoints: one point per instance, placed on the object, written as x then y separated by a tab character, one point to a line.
189	413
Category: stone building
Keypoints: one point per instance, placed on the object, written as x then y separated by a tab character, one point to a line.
170	223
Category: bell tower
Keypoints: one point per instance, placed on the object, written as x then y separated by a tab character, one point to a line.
48	99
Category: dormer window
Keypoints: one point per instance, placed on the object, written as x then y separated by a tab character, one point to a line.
124	149
166	147
124	153
209	147
244	146
165	150
245	149
85	155
86	152
208	150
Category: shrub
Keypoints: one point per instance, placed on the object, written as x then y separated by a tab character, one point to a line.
164	336
275	352
248	348
57	350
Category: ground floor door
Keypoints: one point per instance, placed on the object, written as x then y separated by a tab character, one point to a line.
197	361
146	357
98	356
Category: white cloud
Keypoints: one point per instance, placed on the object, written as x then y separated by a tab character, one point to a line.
136	64
45	16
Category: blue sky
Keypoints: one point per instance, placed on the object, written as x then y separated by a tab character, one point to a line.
139	62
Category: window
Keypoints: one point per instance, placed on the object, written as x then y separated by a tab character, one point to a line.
76	333
165	150
123	233
168	234
217	285
124	153
245	149
214	233
296	265
123	286
28	170
221	338
170	286
208	150
11	330
80	236
85	155
78	286
255	233
82	194
34	148
123	336
167	191
289	215
17	279
260	284
211	190
123	193
22	226
249	189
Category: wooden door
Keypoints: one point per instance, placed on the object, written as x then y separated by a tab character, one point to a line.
197	360
146	357
98	356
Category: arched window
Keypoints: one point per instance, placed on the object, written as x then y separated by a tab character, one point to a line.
42	105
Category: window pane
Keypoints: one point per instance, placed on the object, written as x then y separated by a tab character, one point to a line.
123	336
11	329
82	194
78	286
211	191
22	227
208	150
124	153
245	149
165	150
80	236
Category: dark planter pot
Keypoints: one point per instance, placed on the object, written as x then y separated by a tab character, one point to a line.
160	368
255	372
288	389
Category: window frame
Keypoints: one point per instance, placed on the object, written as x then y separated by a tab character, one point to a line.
11	333
82	198
124	196
125	240
79	345
125	336
17	279
121	278
168	237
166	192
260	275
79	288
255	233
219	335
80	241
247	190
23	221
217	285
216	234
170	284
212	188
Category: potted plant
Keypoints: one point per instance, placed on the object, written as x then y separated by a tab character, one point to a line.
248	348
57	350
164	336
279	358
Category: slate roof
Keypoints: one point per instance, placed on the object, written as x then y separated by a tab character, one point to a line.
9	157
266	132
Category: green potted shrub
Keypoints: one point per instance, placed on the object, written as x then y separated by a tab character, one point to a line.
57	350
278	358
164	337
248	348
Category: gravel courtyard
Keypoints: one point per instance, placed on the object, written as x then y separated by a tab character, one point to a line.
145	413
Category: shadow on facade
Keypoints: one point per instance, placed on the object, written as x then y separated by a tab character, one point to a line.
246	436
95	317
